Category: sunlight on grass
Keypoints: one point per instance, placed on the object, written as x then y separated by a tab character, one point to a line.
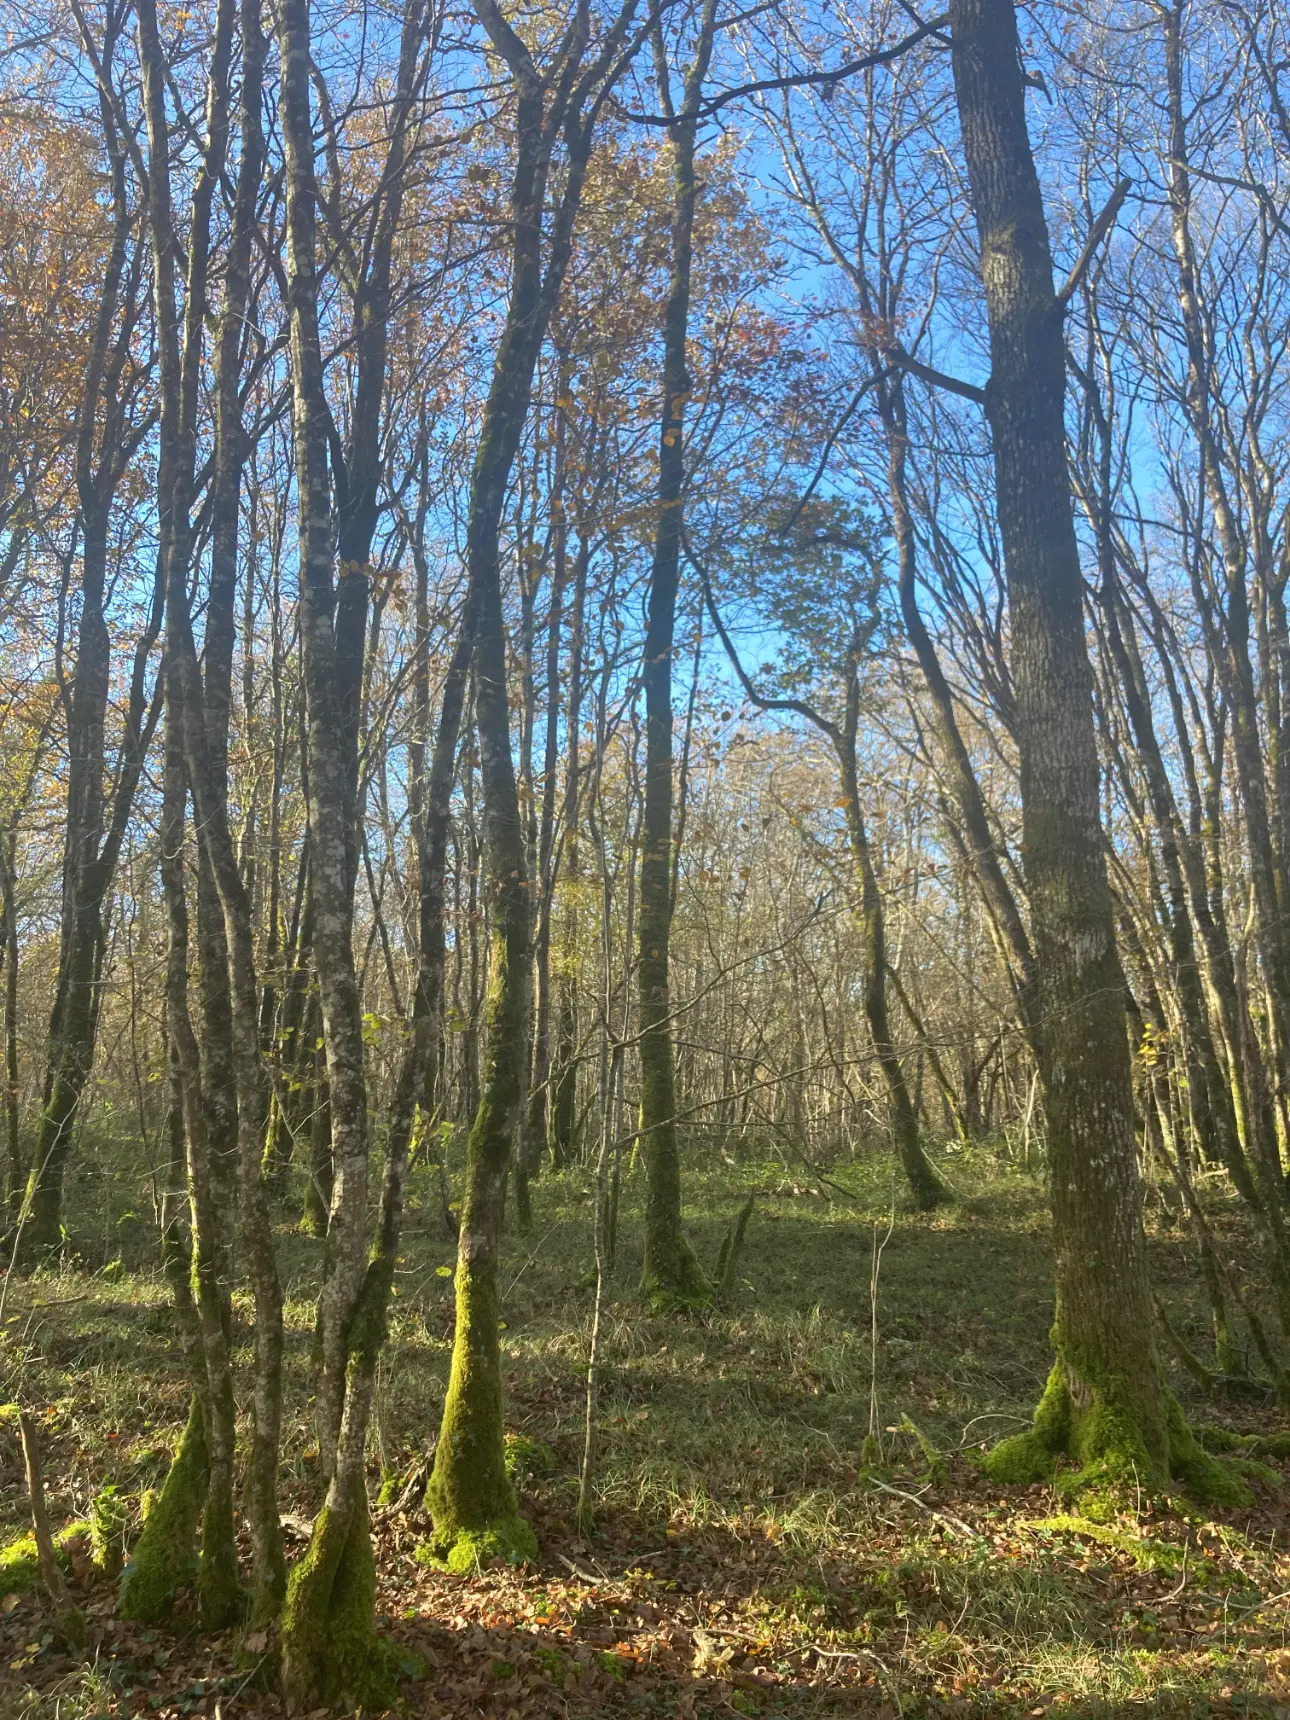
731	1455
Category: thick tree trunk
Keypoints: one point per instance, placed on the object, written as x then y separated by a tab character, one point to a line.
1106	1404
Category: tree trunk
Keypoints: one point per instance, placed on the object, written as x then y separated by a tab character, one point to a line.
671	1276
925	1186
1106	1404
105	444
470	1496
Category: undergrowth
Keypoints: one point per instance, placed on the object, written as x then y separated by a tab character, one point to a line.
770	1483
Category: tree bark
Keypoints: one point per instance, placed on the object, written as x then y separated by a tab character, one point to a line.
1106	1403
671	1275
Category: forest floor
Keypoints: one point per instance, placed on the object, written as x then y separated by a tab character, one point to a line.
745	1561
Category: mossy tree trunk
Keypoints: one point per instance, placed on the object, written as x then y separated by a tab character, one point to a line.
160	1560
197	719
671	1275
209	1116
312	1619
470	1496
1106	1404
164	1558
330	1652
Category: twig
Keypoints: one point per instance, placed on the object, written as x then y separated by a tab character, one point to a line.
937	1516
1182	1581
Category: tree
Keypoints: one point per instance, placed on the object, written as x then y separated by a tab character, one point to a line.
111	426
470	1496
819	584
1106	1404
671	1275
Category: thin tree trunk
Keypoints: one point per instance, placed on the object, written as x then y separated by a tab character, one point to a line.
470	1496
671	1275
926	1187
105	445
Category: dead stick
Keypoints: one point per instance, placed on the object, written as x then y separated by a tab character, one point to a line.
67	1616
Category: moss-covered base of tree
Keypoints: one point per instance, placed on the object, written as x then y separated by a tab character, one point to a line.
470	1495
510	1541
20	1562
331	1655
471	1501
221	1601
673	1281
1114	1461
164	1559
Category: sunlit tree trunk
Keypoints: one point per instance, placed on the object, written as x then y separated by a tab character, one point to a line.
1106	1403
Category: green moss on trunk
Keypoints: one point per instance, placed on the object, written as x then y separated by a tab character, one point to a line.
672	1280
1117	1455
165	1555
331	1653
219	1597
108	1519
470	1496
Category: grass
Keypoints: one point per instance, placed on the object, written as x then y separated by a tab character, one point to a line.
750	1556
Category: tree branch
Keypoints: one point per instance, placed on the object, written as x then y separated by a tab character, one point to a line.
799	707
937	378
800	80
1097	232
